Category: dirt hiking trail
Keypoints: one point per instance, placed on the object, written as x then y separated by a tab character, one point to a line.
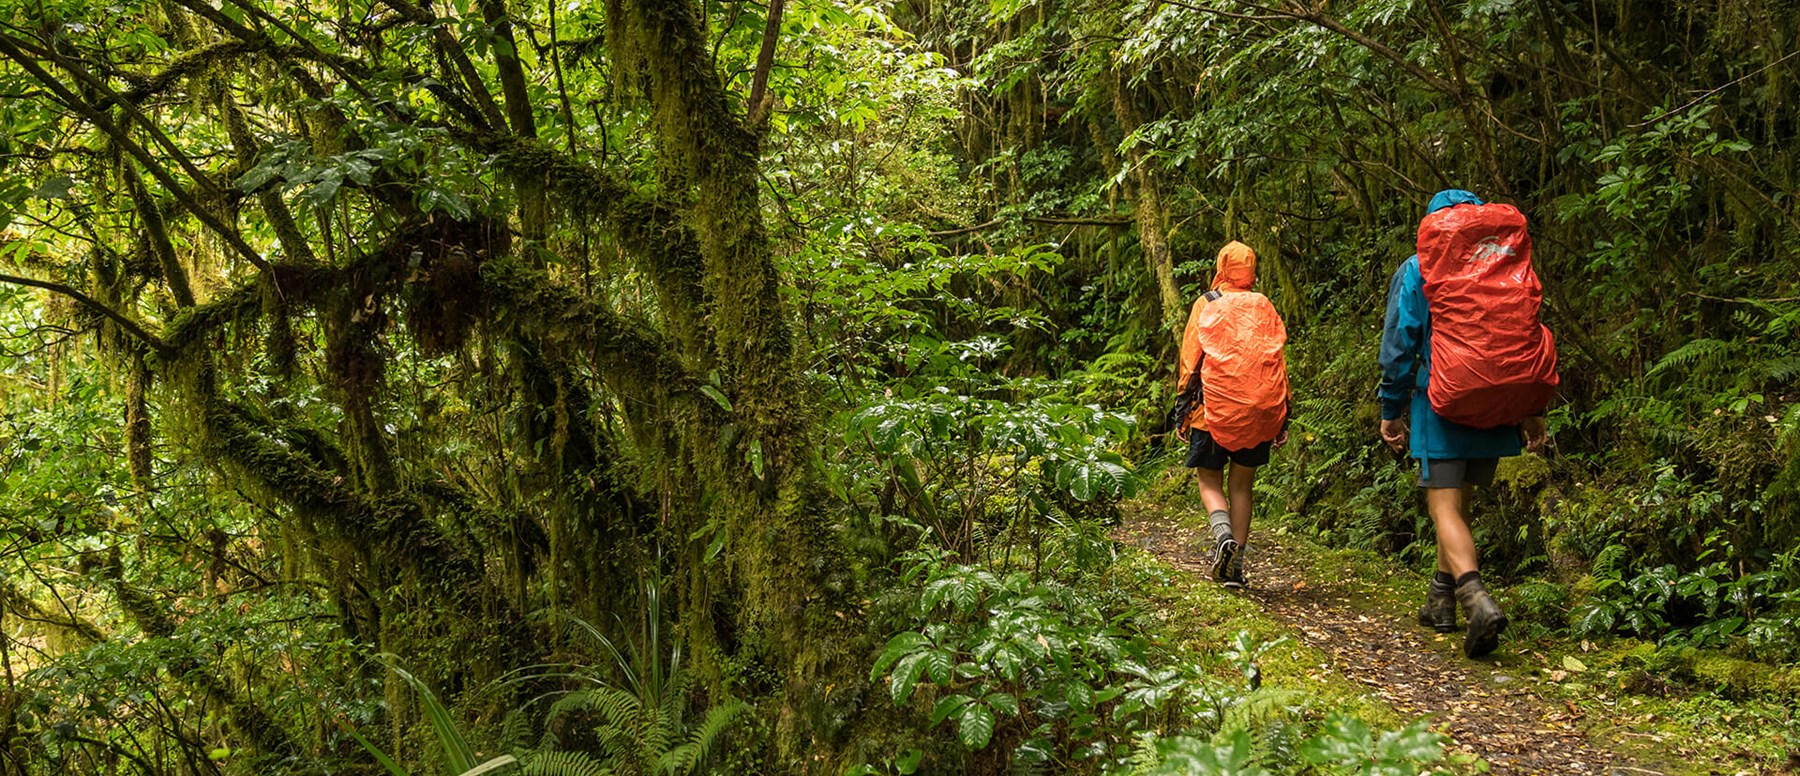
1490	712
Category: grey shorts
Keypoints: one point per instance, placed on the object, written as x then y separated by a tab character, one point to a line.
1456	472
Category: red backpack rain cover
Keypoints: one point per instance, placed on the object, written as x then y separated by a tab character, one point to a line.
1492	363
1244	373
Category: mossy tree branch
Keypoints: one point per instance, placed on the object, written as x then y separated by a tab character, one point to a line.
135	329
105	124
174	275
653	231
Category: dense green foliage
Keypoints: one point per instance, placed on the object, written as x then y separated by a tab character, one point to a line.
656	386
1653	149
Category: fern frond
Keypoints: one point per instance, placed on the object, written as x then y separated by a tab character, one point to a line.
1608	561
616	744
1699	352
1262	710
1144	757
674	695
658	735
515	729
619	708
682	759
565	764
1781	370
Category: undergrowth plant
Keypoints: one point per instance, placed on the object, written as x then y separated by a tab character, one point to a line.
634	725
992	468
1035	676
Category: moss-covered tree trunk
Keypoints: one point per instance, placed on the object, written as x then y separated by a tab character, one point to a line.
1152	217
781	548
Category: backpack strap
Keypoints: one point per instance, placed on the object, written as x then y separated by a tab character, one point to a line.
1213	295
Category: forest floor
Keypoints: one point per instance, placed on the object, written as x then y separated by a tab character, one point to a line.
1530	709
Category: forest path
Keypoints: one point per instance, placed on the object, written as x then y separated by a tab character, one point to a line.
1492	712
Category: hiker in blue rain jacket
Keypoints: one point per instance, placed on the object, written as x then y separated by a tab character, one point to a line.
1452	458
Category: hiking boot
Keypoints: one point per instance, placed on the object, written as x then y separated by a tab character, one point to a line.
1486	621
1223	560
1439	611
1234	573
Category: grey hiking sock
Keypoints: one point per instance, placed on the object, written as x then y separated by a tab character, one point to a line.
1221	525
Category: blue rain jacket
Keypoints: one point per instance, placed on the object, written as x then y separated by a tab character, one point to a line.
1406	368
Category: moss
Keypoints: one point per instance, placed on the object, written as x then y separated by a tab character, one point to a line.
1744	679
1523	472
782	550
193	63
137	424
410	254
652	230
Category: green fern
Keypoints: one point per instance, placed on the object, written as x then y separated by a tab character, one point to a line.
1781	370
618	707
641	726
1696	353
1608	562
1263	709
700	740
564	764
515	729
1144	758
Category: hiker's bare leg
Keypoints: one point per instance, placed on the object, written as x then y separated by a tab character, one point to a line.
1212	489
1456	546
1242	498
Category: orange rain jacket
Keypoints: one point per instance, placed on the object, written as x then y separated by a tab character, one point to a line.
1259	416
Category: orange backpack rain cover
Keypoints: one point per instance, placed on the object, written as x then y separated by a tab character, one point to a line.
1492	363
1244	372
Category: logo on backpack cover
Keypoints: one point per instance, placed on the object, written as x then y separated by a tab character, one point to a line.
1489	250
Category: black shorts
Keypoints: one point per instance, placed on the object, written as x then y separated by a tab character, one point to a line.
1456	472
1204	453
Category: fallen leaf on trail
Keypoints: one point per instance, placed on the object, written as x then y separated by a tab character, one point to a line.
1573	664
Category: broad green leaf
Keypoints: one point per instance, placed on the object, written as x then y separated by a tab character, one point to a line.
940	665
908	761
900	644
975	726
906	676
947	706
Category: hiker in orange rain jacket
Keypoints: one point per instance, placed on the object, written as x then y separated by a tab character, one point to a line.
1233	400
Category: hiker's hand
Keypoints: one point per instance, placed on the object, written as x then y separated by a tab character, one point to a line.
1534	432
1393	432
1280	439
1181	433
